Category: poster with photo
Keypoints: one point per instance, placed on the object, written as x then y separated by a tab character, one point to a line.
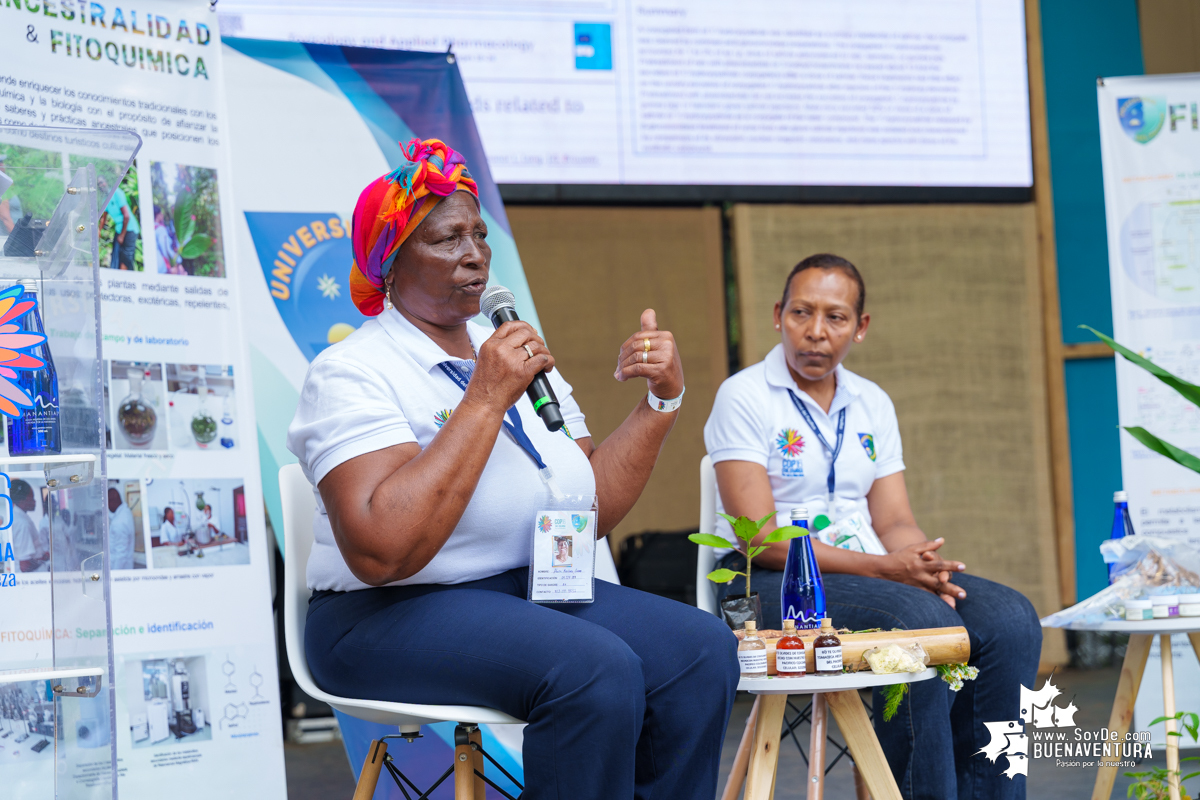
185	606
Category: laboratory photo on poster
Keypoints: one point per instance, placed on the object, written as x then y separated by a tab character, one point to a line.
121	244
141	413
187	220
127	548
202	404
197	522
167	701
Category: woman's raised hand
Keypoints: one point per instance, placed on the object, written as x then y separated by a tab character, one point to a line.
507	363
659	364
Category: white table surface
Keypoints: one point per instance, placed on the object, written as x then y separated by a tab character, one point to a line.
816	684
1150	626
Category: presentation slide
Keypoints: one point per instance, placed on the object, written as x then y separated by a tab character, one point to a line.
797	93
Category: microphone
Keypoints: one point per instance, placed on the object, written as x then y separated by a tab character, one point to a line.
499	305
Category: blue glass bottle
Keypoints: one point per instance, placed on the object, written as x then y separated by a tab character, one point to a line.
37	431
802	596
1122	525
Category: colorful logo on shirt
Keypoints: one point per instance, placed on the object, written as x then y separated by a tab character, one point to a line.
868	443
567	431
790	443
580	522
440	417
545	524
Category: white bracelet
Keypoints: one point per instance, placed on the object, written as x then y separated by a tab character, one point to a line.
665	406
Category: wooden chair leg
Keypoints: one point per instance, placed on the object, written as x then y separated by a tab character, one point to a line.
368	779
480	786
764	757
856	729
464	772
737	773
1168	684
816	747
1136	653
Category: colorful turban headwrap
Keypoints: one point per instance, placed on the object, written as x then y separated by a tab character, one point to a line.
391	208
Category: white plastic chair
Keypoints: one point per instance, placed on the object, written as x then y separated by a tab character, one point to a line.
706	559
299	505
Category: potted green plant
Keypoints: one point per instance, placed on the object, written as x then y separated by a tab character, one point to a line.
1155	783
736	610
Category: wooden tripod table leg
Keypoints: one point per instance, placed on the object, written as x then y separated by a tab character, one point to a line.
1195	640
816	748
1136	653
856	729
737	773
368	779
1168	676
764	756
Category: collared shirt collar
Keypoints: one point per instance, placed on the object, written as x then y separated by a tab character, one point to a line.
777	374
417	343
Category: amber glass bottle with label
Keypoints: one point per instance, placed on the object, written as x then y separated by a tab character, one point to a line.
827	650
789	652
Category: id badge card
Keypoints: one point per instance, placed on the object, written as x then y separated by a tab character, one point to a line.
562	566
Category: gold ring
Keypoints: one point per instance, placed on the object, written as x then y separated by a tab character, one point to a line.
645	357
647	350
528	350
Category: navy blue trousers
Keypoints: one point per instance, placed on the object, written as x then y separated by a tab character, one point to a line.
933	741
626	697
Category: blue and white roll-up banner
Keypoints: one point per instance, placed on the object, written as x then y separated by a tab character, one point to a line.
196	684
1150	148
312	125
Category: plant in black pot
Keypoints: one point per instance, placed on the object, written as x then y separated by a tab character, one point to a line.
736	610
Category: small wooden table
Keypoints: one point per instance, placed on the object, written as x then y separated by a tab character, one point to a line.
1141	635
840	694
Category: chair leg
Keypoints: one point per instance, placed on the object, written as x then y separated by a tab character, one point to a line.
464	765
480	786
816	748
368	779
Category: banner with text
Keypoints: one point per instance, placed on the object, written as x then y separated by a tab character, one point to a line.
197	707
1150	147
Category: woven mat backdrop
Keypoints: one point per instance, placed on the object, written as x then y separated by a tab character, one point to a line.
592	272
956	340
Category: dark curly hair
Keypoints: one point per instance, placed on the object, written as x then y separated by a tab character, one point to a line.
829	261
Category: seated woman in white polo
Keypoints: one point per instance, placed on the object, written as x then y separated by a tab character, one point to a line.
799	429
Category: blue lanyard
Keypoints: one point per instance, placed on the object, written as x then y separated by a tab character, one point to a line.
812	423
460	373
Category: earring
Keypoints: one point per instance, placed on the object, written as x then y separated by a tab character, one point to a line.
387	302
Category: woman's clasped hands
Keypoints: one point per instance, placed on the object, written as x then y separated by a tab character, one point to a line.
919	565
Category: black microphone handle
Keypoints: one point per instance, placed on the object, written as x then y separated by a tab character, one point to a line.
540	392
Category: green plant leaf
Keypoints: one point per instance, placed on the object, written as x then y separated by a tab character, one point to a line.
709	540
785	533
765	520
1189	390
754	551
745	529
1164	719
893	695
726	517
1181	457
185	204
722	575
197	246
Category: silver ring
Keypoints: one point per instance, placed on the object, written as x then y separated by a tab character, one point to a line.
528	350
645	357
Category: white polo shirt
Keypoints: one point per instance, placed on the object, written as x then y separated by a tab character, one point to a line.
754	419
381	386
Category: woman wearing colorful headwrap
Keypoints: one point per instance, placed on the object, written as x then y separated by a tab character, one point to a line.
426	509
